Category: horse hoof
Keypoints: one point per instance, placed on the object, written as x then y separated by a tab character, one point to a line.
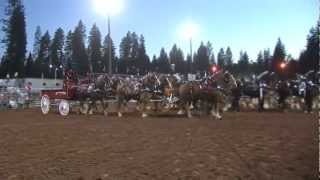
119	115
105	113
144	115
90	112
180	112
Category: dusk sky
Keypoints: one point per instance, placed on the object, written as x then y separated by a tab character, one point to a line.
250	25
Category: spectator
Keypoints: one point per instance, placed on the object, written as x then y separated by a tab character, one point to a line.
236	95
308	97
283	91
261	97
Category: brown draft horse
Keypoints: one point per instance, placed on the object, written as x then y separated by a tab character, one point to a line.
125	89
211	92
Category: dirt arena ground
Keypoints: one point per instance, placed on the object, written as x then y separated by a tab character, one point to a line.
243	146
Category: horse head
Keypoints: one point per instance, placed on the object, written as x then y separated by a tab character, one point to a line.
225	80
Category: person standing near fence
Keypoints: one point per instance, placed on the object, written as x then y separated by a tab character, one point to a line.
284	92
261	97
28	89
308	97
236	95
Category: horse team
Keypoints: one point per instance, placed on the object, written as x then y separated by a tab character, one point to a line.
209	94
160	91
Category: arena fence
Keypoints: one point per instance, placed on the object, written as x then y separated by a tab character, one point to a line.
19	98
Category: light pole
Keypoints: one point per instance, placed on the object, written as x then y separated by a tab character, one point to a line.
109	46
50	66
191	54
109	8
55	73
319	55
190	30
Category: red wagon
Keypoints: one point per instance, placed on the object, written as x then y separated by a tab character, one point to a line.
61	97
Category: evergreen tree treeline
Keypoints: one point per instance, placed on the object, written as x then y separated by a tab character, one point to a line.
73	49
15	39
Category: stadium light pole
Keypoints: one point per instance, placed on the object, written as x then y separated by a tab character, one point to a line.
319	57
109	8
189	31
109	46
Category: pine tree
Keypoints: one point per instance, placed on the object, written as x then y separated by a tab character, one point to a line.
4	66
267	58
177	58
42	63
278	56
106	55
309	59
213	59
189	64
202	58
95	54
134	53
15	38
228	59
56	49
29	66
260	63
163	60
181	64
221	59
125	51
154	64
79	55
68	51
243	63
143	61
36	43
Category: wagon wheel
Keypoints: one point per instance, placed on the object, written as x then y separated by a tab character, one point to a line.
64	108
45	104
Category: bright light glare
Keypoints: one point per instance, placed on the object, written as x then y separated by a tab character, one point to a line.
214	68
189	30
108	7
283	65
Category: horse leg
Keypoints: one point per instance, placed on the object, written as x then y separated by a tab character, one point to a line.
80	107
144	114
119	106
188	110
215	112
84	105
156	106
91	105
203	109
104	107
143	102
181	108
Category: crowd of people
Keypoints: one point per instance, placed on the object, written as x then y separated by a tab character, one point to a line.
307	90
